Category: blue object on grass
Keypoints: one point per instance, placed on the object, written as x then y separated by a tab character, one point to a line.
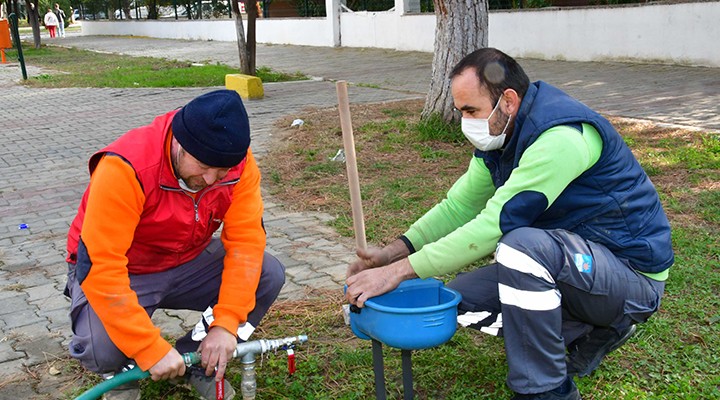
418	314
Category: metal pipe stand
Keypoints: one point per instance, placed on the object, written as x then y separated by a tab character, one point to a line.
379	370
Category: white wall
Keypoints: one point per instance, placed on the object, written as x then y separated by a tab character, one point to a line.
221	30
388	30
682	33
310	31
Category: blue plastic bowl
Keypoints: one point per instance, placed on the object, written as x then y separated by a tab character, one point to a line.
418	314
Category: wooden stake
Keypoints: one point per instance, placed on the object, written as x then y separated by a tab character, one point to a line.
351	164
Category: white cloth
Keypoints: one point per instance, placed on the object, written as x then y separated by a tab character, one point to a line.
51	19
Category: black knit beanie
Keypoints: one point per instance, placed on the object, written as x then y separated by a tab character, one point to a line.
214	128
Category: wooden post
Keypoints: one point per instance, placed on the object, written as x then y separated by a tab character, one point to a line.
351	164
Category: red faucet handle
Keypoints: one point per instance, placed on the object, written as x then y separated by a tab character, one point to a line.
220	389
291	361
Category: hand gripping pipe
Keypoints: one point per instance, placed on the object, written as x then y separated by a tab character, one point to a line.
247	351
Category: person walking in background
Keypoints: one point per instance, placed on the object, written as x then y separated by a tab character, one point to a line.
60	14
51	22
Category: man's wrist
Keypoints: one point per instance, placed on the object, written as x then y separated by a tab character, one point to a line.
408	244
397	250
405	270
221	328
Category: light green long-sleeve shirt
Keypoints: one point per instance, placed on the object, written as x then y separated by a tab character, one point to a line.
464	227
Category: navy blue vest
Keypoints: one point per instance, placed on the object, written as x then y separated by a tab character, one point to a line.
613	203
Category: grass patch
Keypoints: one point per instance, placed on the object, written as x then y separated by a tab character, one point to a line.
69	67
266	74
406	166
673	355
435	128
401	175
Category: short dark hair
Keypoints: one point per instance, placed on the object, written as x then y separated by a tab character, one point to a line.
495	70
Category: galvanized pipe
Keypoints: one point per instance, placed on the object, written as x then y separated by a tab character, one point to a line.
247	351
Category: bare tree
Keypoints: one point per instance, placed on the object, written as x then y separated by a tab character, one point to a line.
252	12
246	48
241	42
33	16
462	27
125	12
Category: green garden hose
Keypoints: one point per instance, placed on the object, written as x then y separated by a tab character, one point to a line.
245	350
107	385
134	374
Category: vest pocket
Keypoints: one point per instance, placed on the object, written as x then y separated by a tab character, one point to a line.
601	236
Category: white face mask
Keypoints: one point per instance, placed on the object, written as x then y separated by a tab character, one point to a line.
181	182
185	187
477	131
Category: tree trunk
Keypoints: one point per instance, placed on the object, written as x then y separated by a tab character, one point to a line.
252	12
461	28
34	20
126	12
152	10
242	45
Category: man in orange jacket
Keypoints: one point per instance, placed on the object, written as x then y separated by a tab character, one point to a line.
143	240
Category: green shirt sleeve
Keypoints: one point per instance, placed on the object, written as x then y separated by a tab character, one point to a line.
464	201
465	226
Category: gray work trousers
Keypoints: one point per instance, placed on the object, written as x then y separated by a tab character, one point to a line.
547	288
194	285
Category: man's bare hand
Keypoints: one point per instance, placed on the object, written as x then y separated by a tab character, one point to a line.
217	349
377	281
371	257
375	257
169	367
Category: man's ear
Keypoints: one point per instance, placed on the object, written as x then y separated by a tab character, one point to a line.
510	102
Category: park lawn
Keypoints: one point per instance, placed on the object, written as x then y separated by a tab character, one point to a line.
68	67
406	166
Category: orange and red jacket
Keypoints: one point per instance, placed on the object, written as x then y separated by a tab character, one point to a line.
135	219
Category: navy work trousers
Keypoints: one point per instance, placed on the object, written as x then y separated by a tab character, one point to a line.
547	288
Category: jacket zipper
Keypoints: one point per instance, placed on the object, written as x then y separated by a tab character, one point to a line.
196	202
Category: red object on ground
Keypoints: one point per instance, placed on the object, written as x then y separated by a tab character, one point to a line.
291	361
220	389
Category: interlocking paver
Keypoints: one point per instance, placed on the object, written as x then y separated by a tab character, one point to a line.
43	161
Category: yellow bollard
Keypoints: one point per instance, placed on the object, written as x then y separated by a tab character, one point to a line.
247	86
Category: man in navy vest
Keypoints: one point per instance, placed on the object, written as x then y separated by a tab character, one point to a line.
582	244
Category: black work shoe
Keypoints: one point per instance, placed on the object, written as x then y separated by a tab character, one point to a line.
566	391
127	391
584	355
205	385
